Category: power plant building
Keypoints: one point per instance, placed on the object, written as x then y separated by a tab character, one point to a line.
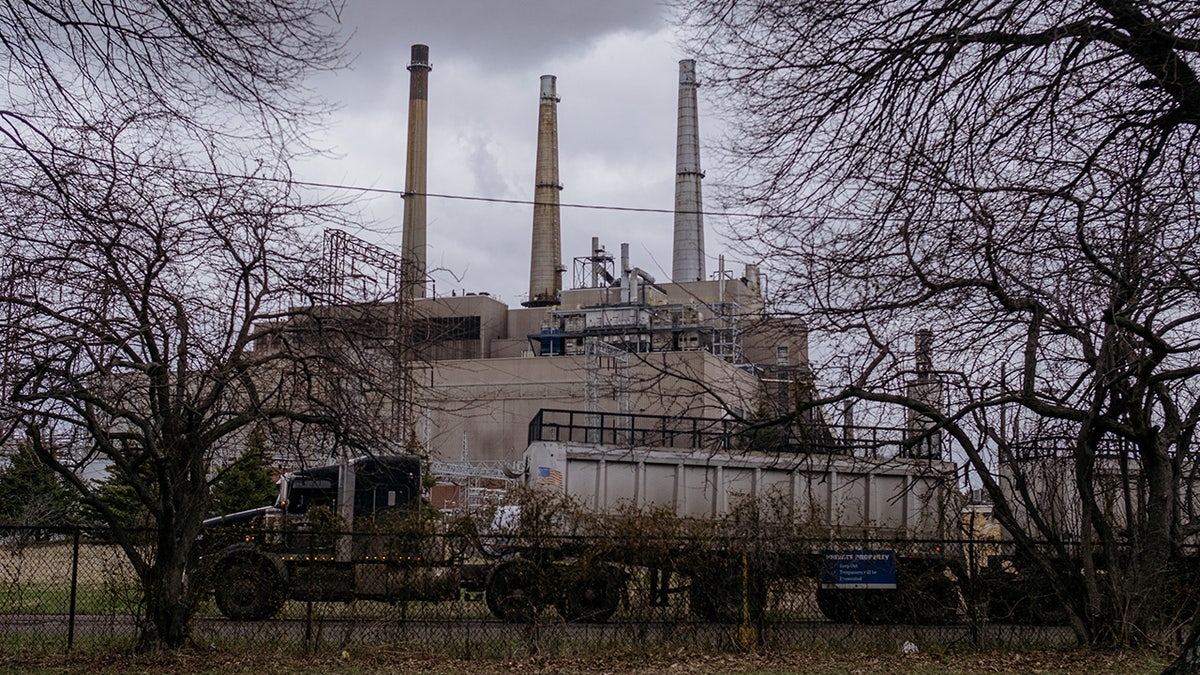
700	349
619	341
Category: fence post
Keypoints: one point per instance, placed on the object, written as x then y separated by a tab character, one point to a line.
746	634
74	586
309	647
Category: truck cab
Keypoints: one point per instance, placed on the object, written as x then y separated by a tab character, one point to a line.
335	532
362	488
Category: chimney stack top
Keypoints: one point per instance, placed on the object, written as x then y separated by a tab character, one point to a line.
687	259
420	58
687	72
549	88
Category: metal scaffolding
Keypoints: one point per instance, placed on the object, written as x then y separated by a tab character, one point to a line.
378	273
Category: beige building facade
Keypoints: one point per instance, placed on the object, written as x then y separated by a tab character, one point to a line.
699	349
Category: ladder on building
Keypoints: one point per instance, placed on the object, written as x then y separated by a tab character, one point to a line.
727	332
600	354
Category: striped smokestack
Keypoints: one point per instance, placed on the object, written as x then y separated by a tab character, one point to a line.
545	263
687	260
413	248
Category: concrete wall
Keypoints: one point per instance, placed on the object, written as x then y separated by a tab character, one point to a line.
488	403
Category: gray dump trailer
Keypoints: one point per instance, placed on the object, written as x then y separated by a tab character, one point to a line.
866	515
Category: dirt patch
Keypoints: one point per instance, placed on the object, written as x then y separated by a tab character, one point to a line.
50	562
819	663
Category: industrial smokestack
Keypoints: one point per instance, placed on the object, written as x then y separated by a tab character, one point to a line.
545	263
687	261
923	351
924	438
413	248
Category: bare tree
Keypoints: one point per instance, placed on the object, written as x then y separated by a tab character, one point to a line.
1019	176
150	240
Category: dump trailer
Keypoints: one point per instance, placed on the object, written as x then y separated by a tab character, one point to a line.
839	497
1038	477
338	532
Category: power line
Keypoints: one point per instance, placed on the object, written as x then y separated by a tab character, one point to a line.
470	198
474	198
402	193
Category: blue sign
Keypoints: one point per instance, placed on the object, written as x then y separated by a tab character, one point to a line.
858	569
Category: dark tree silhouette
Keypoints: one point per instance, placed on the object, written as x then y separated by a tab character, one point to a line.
1019	177
246	483
32	494
150	240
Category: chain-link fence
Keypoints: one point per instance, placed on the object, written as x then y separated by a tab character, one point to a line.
457	595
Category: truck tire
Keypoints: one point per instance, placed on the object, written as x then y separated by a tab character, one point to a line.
590	593
856	605
933	599
514	592
1018	599
718	597
249	588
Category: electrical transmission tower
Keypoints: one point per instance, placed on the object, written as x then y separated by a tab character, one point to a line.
359	272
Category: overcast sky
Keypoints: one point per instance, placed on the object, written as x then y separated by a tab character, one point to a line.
617	68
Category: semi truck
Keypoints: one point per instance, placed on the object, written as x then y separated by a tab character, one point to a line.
354	531
336	533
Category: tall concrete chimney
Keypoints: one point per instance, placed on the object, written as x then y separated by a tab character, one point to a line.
687	260
924	439
923	351
412	252
545	262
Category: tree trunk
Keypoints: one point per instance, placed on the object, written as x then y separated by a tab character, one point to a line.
1188	661
169	605
167	624
1156	581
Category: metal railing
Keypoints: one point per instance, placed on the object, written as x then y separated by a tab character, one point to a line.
710	434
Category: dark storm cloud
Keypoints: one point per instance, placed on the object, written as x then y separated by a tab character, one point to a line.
512	34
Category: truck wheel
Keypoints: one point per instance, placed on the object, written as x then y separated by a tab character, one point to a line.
718	598
1013	598
249	589
513	592
860	606
590	593
935	599
834	606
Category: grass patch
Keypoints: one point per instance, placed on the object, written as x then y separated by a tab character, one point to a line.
55	598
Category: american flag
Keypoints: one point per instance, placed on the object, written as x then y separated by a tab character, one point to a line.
551	477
